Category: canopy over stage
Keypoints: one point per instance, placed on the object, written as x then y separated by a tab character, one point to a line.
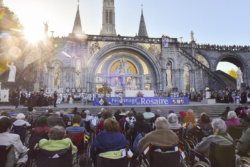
137	101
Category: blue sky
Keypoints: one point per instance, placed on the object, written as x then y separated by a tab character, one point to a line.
223	22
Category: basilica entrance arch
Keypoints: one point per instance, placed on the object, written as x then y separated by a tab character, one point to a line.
124	68
237	61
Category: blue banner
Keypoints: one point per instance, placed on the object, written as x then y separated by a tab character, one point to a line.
140	101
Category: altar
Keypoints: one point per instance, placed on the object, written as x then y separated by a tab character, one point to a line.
133	93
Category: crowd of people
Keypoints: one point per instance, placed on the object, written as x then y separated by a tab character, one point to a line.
110	132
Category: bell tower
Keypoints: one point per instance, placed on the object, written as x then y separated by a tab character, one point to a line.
108	18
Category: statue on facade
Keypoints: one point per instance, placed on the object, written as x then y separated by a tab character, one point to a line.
123	67
169	76
12	74
239	79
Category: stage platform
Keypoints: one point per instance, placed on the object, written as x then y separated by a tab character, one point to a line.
211	109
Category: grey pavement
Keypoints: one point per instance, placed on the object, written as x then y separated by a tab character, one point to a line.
211	109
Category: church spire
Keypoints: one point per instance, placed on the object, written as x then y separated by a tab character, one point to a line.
108	18
142	28
77	29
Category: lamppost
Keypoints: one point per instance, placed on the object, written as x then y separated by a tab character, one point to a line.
105	92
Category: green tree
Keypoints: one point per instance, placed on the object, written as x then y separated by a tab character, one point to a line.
233	73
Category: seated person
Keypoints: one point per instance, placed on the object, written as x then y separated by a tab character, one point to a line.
76	120
204	125
100	126
109	140
7	138
162	136
232	119
220	136
173	121
139	126
41	126
56	140
245	145
55	120
12	112
148	114
21	120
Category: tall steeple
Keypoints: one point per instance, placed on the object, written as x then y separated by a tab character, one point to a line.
142	28
108	18
77	28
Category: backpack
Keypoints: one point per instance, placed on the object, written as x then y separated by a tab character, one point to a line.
137	139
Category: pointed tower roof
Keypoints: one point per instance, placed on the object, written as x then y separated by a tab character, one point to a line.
142	29
77	29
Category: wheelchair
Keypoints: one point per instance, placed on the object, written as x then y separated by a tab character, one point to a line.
7	156
236	131
105	161
155	156
21	131
219	156
81	142
58	158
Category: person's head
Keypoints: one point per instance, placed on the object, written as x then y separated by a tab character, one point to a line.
69	111
30	109
118	109
5	113
148	109
139	117
161	123
228	108
75	109
102	110
248	112
231	115
5	124
83	114
132	109
42	121
76	119
50	111
158	112
20	116
170	111
107	114
172	118
87	112
111	125
57	133
130	114
205	118
219	126
190	111
246	107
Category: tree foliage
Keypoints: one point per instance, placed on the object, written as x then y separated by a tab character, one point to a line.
9	26
233	73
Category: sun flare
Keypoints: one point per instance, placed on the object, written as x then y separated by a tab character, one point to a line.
33	36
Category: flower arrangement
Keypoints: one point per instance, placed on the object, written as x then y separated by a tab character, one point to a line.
109	90
100	90
140	94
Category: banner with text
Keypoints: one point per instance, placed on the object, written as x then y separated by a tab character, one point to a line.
140	101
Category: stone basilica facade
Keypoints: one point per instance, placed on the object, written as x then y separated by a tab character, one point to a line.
83	63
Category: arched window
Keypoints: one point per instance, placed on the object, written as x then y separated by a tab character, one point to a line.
110	16
169	81
186	79
107	16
